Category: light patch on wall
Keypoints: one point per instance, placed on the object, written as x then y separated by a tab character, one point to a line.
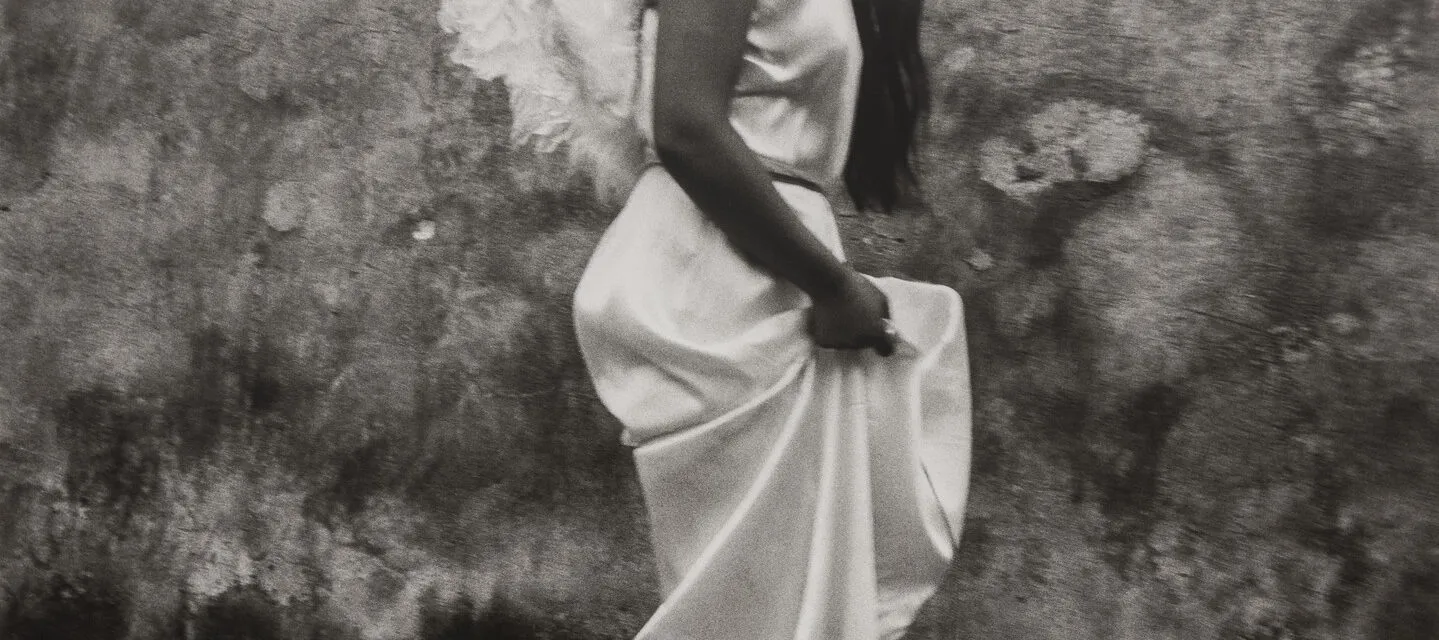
1146	266
123	157
1071	140
131	356
292	204
958	60
286	205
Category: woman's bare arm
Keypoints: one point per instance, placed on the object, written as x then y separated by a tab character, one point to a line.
699	50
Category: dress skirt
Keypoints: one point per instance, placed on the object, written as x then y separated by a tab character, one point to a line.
793	492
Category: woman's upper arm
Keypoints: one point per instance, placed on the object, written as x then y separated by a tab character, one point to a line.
699	48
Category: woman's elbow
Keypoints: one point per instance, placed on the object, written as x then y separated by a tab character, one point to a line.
681	136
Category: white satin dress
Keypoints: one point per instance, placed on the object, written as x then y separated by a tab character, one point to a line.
794	493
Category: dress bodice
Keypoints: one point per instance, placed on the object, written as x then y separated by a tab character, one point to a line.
795	98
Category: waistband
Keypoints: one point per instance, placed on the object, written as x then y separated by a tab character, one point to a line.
777	176
795	180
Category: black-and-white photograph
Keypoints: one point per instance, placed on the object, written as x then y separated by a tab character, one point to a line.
719	320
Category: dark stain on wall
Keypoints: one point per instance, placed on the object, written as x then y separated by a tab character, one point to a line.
207	406
1370	161
1129	484
241	613
165	21
115	450
1058	212
1411	611
503	619
34	78
79	607
362	473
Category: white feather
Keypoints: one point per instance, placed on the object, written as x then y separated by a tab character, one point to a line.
570	67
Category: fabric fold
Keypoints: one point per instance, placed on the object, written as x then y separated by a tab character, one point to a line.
794	493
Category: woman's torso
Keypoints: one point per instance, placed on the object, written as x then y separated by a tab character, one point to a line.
795	98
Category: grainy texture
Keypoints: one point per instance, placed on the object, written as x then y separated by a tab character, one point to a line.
286	344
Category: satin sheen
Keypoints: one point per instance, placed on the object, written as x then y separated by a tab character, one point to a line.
798	85
793	493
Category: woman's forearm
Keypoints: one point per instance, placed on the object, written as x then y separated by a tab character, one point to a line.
727	181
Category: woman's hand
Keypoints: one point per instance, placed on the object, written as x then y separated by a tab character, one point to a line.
853	317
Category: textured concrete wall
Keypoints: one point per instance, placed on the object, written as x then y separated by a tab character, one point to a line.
286	354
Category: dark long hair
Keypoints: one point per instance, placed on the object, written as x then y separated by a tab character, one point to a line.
893	98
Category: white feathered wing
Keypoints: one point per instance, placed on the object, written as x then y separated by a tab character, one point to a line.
571	68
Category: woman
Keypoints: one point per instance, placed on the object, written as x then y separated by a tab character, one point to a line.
801	431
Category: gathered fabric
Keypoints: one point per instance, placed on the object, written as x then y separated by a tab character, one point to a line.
793	492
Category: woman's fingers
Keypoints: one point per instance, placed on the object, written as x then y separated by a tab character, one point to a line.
882	342
858	319
881	345
885	346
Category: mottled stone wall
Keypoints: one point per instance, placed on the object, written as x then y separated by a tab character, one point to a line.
286	351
